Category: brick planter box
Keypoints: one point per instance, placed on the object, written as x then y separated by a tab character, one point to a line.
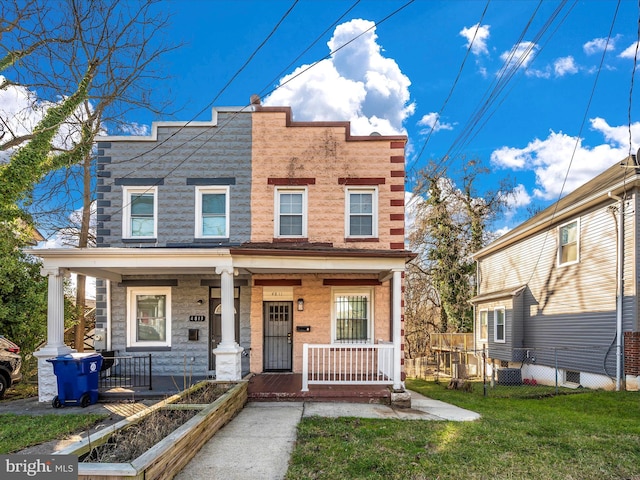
169	456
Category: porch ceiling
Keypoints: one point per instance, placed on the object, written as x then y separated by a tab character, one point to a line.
115	263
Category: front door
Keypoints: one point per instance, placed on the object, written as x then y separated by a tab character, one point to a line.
215	322
278	328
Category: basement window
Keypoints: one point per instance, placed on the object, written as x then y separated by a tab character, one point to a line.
571	376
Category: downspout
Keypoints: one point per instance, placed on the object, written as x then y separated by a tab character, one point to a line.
619	287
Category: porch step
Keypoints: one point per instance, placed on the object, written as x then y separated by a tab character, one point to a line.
383	398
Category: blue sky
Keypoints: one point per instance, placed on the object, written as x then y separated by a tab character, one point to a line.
525	86
523	115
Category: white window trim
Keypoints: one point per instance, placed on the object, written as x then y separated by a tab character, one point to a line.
480	337
126	210
276	203
131	316
198	221
559	253
362	291
495	325
374	213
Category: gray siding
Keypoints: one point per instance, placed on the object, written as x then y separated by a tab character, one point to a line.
573	307
187	154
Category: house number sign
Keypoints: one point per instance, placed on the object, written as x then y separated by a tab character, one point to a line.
196	318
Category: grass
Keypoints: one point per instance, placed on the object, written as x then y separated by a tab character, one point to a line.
591	435
21	431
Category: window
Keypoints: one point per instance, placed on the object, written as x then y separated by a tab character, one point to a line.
499	325
483	325
291	212
352	312
568	251
139	212
361	212
571	376
149	317
212	212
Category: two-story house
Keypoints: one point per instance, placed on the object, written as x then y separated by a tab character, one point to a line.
247	244
557	295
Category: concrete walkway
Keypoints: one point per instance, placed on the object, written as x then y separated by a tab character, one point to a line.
258	442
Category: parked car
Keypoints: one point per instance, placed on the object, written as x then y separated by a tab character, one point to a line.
10	364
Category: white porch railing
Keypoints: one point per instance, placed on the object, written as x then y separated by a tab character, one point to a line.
347	364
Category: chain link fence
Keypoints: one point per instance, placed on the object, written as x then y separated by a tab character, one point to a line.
529	372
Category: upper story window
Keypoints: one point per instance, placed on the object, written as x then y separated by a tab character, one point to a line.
499	324
212	212
483	325
139	212
149	317
352	315
361	212
291	212
569	243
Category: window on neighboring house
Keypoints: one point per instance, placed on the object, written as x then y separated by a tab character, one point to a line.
212	212
483	325
139	212
291	212
149	317
499	322
361	212
569	237
352	311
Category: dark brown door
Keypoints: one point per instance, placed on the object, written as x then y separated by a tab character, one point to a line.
278	329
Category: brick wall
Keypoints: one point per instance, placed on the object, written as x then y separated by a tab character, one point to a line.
632	353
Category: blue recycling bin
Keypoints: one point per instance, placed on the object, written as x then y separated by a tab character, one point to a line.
78	375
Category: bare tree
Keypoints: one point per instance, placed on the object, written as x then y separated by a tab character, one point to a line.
52	46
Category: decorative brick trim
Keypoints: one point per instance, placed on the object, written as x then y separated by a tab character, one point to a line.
397	159
397	203
396	216
396	245
138	182
278	282
354	240
211	181
632	353
290	181
397	188
350	282
397	144
396	231
397	173
361	181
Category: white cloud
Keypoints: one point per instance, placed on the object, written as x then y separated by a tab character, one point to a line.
549	158
134	128
477	36
630	51
598	45
520	197
432	122
520	56
356	83
565	66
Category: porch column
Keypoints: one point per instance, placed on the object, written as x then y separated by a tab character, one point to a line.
47	383
228	359
398	384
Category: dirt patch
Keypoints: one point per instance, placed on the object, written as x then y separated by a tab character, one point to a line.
207	394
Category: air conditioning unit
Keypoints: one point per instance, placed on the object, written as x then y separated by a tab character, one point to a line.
509	376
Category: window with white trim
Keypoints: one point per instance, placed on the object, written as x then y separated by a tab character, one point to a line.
361	215
291	212
499	325
352	316
212	212
568	243
483	325
139	213
149	317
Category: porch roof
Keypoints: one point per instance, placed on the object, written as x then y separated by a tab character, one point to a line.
115	263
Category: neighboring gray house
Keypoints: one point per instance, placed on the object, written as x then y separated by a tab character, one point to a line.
560	290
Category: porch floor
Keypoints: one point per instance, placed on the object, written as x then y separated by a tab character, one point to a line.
288	387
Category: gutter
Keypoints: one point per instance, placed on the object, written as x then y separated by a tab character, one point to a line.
619	288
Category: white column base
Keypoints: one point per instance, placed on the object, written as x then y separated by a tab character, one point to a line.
228	362
47	381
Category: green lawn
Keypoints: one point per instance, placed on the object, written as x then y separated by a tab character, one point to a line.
21	431
591	435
